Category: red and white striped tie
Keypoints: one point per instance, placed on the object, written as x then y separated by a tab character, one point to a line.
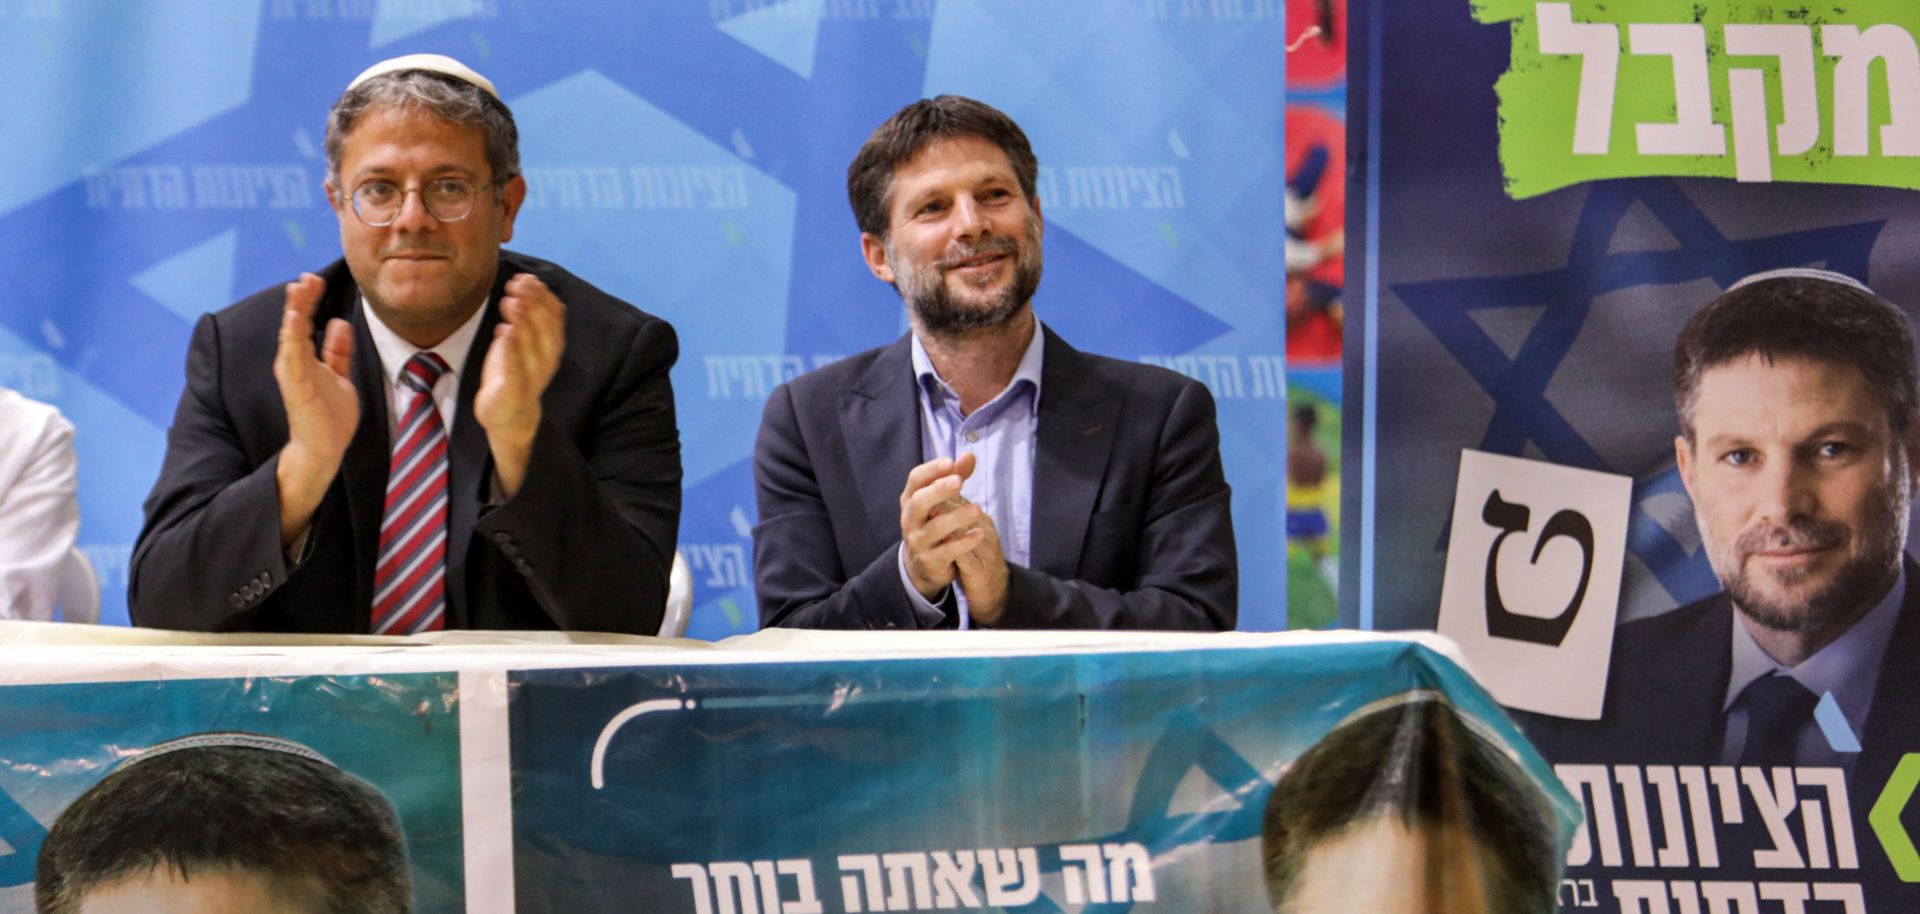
409	583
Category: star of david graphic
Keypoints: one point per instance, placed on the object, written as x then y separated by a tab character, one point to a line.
855	78
1523	415
1189	745
1189	750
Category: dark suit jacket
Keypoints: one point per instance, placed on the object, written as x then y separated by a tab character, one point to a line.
585	544
1667	679
1131	519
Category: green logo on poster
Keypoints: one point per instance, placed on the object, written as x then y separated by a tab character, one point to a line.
1885	818
1823	92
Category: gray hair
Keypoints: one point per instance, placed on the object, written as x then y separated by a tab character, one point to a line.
442	96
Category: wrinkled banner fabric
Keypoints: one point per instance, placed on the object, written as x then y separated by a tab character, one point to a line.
897	775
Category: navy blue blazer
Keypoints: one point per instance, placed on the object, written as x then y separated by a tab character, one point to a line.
1132	527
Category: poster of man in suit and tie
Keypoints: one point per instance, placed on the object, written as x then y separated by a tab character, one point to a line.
1631	419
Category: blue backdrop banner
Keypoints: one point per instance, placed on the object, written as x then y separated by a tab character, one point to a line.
397	732
163	159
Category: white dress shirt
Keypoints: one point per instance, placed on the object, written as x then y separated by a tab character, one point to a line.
38	515
394	353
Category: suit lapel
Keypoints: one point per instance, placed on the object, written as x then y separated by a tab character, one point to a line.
470	470
1075	437
363	471
880	422
1688	677
1895	714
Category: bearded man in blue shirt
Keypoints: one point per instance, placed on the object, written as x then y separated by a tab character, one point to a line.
1796	391
980	472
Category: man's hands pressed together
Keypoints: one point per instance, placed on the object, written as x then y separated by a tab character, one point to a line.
983	571
947	537
526	349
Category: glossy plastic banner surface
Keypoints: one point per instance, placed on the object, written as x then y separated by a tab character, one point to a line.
1236	774
163	159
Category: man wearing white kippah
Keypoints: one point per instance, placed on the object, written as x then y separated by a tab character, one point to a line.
430	432
1797	398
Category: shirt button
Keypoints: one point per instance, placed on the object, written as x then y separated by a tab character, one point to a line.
973	437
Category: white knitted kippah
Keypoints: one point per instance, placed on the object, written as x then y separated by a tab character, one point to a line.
1802	273
432	63
230	738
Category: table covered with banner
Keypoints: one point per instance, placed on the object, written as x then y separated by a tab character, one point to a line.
808	772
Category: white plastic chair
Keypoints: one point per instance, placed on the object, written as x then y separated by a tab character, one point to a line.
79	588
679	599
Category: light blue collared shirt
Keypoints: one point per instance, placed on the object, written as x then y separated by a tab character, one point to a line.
1849	668
1001	436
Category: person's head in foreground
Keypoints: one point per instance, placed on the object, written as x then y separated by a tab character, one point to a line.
944	194
226	823
1796	392
1305	419
1405	809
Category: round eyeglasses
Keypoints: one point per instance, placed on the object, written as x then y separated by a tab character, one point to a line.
378	203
